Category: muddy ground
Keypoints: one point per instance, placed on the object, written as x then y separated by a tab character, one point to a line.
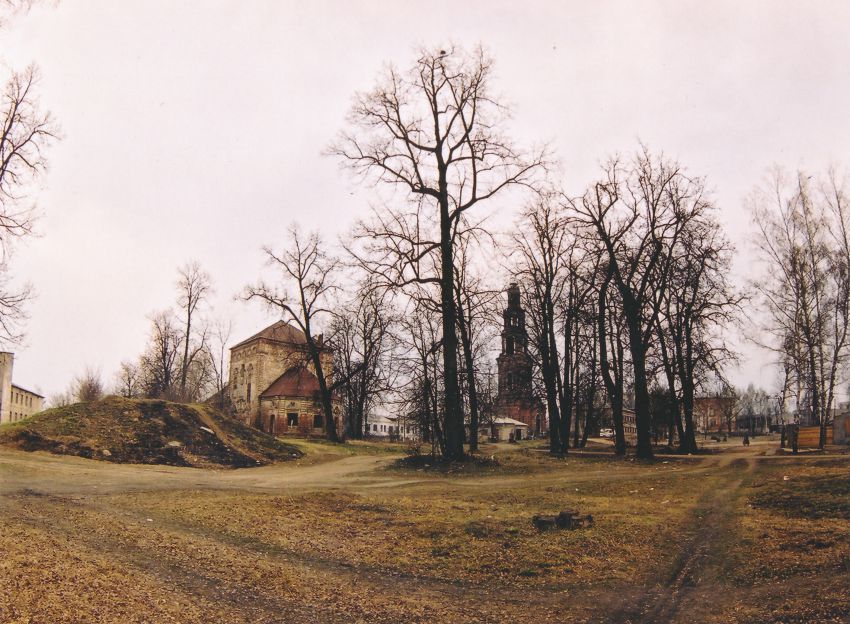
740	536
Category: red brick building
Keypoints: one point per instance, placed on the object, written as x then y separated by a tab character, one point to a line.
515	397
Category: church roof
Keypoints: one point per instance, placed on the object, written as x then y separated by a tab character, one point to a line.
296	382
278	332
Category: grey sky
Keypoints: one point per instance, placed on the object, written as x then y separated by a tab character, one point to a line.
194	130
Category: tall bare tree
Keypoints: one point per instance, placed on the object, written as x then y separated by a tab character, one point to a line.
303	296
433	131
25	133
542	245
475	311
193	286
804	228
637	213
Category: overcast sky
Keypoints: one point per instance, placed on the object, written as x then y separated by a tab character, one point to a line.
194	130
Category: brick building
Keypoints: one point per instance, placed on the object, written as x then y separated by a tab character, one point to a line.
273	385
516	398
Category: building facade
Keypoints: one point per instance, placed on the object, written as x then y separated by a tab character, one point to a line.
390	426
515	398
273	385
16	403
714	414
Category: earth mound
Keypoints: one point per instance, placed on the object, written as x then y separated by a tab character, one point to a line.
147	431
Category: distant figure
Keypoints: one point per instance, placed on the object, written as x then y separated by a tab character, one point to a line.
746	440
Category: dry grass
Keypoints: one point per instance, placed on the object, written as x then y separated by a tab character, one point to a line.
790	554
422	546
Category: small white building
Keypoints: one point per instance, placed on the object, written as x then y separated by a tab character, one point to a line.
389	426
503	430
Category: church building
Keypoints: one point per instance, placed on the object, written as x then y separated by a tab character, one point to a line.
273	385
516	399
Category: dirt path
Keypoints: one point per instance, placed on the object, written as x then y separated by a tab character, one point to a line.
62	475
693	582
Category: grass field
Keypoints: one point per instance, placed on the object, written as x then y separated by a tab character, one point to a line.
346	534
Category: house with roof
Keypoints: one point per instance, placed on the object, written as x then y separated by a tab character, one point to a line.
503	429
273	385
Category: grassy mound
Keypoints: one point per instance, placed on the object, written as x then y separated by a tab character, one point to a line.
143	431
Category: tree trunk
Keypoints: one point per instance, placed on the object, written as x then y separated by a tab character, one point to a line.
324	391
453	416
466	342
550	388
638	353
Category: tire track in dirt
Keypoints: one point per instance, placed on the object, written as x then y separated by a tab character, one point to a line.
694	575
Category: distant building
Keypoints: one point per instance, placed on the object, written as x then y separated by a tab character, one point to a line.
16	403
714	413
390	426
273	385
629	422
516	399
503	430
629	425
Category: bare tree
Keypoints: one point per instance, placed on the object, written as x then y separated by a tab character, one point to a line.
193	286
475	311
362	341
160	362
541	245
804	240
612	335
128	380
434	132
25	133
218	355
88	386
309	272
420	366
637	214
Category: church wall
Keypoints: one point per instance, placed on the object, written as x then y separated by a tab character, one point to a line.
275	411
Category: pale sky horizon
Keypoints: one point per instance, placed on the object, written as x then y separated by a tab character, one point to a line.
195	130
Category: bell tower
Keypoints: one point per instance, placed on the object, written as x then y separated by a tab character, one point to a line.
515	397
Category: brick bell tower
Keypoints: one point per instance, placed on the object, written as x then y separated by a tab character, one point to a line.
515	397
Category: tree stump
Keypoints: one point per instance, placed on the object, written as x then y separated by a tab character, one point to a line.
566	520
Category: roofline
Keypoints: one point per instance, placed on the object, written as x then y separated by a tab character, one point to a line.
25	390
258	338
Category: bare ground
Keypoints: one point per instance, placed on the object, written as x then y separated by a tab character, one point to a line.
347	540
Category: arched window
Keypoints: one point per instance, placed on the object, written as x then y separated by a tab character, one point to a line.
509	345
510	381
